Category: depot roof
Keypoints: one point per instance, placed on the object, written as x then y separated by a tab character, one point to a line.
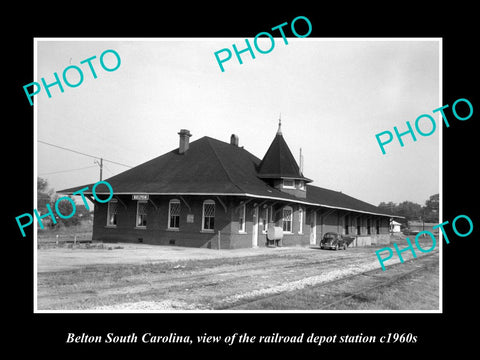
214	167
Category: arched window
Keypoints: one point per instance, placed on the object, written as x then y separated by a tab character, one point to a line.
208	215
141	214
287	219
174	214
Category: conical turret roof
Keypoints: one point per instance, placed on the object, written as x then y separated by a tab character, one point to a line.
278	162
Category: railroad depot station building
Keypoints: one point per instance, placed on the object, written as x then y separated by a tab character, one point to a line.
211	193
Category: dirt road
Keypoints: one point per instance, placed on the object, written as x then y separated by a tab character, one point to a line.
172	278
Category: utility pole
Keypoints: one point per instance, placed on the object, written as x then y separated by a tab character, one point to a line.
101	166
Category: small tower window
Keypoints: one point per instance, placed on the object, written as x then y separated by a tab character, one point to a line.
301	185
288	184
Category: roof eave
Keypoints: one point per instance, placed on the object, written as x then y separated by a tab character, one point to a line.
287	199
278	176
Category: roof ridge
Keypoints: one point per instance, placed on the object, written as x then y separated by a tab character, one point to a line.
221	163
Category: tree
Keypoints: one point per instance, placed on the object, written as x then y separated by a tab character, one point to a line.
388	207
65	208
413	211
44	194
47	195
431	209
410	210
42	184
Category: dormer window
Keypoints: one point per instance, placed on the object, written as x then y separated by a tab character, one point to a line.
301	185
288	184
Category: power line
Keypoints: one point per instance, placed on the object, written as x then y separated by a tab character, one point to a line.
78	152
63	171
110	171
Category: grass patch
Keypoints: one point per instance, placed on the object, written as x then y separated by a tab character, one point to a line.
419	291
84	229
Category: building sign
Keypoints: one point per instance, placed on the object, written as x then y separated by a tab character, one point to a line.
189	218
140	197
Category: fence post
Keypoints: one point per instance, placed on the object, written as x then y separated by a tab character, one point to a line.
218	240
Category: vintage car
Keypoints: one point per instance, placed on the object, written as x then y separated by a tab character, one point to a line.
409	232
332	240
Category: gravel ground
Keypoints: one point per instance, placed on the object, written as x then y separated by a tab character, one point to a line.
309	281
64	258
147	305
160	278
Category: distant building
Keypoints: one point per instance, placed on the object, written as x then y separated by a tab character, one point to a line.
395	226
210	193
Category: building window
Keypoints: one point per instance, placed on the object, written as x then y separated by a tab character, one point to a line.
264	220
300	220
112	211
241	219
288	184
369	231
208	215
346	224
141	213
301	185
359	228
377	225
174	214
287	219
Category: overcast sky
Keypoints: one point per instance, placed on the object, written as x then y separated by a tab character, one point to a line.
334	95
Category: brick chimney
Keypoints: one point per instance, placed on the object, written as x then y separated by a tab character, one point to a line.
234	140
184	141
